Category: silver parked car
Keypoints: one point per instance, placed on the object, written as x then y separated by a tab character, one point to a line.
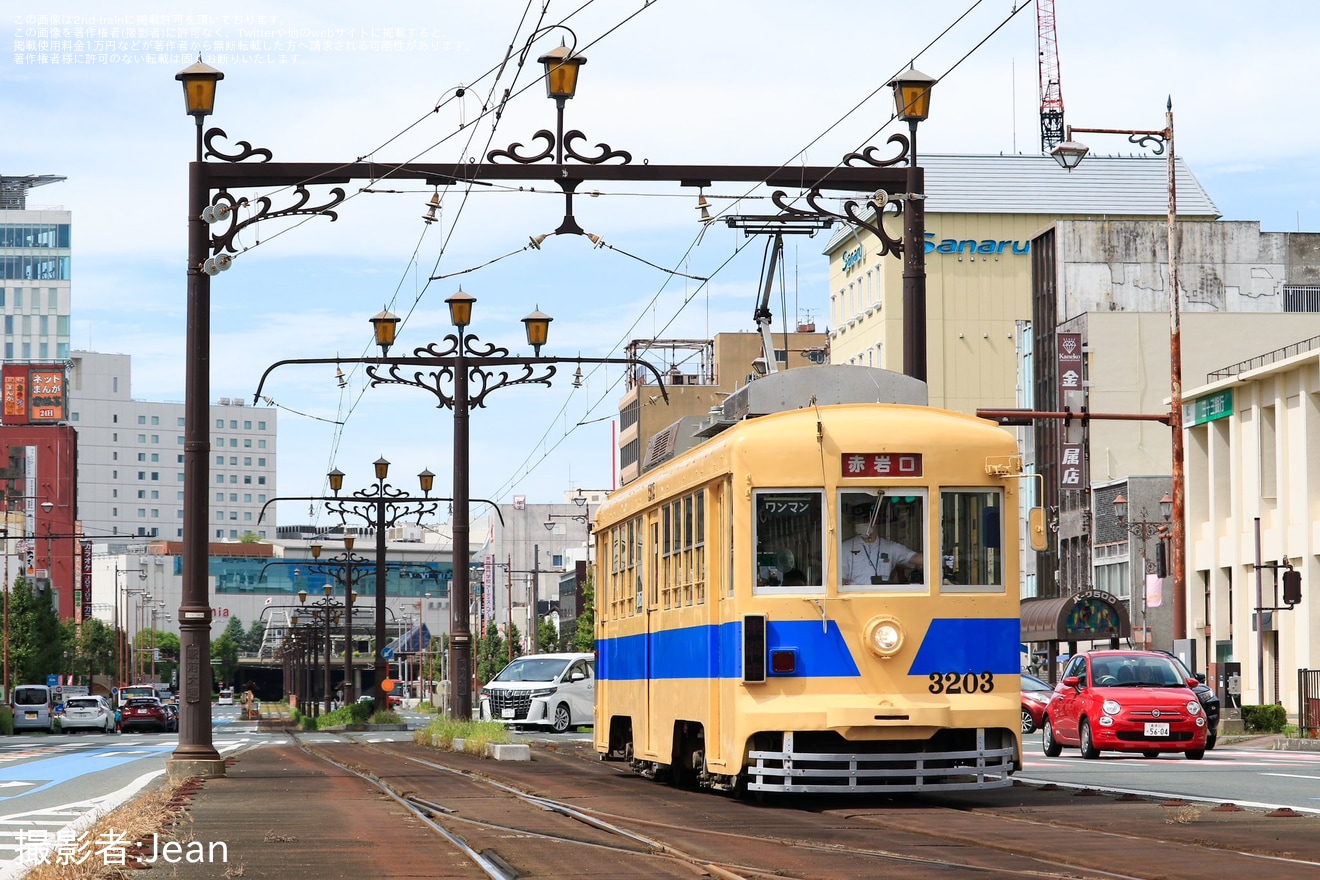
543	690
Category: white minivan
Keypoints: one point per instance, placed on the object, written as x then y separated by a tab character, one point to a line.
543	690
32	708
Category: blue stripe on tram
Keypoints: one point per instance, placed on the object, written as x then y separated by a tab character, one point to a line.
702	652
970	644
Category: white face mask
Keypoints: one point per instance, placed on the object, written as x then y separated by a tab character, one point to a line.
863	530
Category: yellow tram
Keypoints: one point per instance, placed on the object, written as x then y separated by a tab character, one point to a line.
820	599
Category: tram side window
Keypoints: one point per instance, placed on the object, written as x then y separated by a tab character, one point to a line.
788	539
683	562
971	540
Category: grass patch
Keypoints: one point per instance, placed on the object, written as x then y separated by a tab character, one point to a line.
442	732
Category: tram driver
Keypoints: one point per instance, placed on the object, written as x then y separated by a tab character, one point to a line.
868	558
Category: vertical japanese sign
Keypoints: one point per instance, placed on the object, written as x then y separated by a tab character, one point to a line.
1069	359
487	591
1070	466
82	596
15	406
1072	397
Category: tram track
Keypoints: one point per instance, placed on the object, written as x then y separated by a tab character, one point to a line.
596	810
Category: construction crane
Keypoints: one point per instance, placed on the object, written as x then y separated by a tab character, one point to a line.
1051	91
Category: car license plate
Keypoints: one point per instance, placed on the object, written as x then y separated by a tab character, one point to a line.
506	713
1157	729
30	714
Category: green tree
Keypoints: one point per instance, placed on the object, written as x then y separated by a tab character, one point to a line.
36	638
224	653
492	653
249	538
547	639
253	637
166	645
584	636
94	648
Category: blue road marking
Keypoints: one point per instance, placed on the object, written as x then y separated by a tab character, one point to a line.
49	772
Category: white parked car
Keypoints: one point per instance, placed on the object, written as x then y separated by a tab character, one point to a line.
88	713
543	690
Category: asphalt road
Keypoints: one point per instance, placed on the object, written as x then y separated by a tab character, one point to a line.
1240	776
62	783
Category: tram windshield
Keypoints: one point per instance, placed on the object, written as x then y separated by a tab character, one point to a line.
882	538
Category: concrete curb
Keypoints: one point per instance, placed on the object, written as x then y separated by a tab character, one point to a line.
499	751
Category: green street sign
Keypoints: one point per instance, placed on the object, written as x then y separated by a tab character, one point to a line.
1206	409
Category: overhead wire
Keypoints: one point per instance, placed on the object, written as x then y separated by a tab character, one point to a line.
528	465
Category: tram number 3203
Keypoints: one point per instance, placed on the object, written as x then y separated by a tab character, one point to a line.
961	683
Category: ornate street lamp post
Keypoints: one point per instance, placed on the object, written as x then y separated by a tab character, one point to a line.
912	105
380	507
1069	154
326	610
1144	529
341	568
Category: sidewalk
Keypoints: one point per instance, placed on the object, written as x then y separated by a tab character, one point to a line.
279	813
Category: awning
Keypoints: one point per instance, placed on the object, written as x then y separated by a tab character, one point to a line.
1087	616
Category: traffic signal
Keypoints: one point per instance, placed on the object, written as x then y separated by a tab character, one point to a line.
1292	586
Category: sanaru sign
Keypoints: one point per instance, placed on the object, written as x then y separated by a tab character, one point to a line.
987	246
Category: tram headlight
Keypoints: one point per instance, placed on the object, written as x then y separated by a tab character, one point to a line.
884	636
1111	707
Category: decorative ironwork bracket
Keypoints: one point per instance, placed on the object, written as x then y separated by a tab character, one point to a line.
223	240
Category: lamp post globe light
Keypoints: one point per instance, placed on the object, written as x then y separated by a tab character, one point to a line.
1069	155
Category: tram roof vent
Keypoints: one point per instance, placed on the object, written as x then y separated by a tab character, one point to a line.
826	384
671	441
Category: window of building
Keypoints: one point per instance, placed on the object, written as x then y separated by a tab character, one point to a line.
233	424
220	423
261	426
142	493
142	420
155	420
247	426
142	456
233	460
219	459
247	479
142	438
261	444
155	456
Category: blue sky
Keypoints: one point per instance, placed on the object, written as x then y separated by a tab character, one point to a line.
671	81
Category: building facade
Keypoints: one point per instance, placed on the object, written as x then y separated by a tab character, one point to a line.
130	468
982	214
35	293
1253	513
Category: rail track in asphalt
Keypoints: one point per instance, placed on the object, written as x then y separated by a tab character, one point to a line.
566	814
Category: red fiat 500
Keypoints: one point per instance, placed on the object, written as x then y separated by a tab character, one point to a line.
1125	701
